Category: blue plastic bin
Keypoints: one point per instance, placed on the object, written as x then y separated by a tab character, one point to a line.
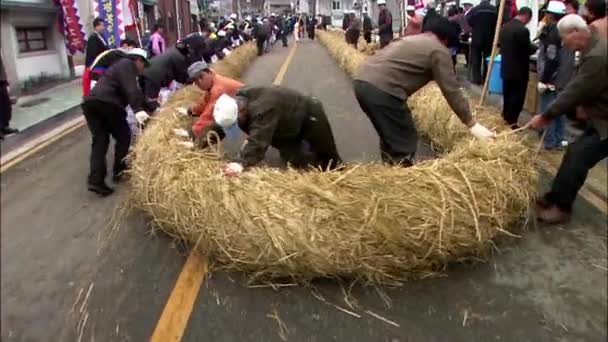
495	86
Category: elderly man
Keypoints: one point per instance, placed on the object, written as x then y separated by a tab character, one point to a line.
385	24
387	79
293	123
587	91
214	86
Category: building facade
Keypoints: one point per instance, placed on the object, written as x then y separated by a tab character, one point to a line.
32	46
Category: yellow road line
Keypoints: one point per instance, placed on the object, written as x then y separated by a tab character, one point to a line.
31	151
175	316
279	79
174	319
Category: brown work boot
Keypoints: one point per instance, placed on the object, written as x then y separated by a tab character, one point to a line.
553	215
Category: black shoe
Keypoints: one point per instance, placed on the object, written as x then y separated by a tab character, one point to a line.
101	189
9	130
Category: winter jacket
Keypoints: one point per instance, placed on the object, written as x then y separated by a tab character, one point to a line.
515	48
589	87
95	46
556	62
275	116
385	22
118	86
172	65
482	19
204	107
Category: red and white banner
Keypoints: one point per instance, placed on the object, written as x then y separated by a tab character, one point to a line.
71	26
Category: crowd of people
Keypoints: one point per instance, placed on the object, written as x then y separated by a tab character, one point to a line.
297	125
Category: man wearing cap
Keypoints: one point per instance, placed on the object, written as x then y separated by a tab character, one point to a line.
104	111
387	79
285	119
414	21
214	86
556	66
385	24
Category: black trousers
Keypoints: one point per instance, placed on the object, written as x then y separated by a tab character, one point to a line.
311	33
260	40
478	66
367	35
284	38
392	120
385	39
104	120
6	108
316	145
514	96
580	157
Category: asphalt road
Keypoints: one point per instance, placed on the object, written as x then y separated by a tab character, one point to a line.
60	243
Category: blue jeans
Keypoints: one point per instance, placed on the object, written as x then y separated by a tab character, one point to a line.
556	130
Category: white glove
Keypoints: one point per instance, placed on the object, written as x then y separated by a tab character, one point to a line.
180	132
542	87
141	117
481	133
186	144
182	111
233	169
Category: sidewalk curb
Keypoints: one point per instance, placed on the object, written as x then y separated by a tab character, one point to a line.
28	142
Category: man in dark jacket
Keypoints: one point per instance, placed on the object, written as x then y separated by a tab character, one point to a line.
346	21
354	31
170	66
385	24
482	19
282	25
588	92
261	33
555	69
367	28
516	48
6	109
293	123
310	28
104	111
96	44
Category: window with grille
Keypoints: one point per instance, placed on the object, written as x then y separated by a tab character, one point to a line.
336	5
32	39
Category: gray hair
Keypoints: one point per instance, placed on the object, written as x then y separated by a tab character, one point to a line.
572	22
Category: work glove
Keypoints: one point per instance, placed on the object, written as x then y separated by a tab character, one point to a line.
181	111
481	133
541	87
233	169
141	117
186	144
182	133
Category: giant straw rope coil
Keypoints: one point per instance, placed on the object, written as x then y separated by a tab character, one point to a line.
367	221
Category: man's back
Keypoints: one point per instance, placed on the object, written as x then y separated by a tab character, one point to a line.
515	49
482	20
404	66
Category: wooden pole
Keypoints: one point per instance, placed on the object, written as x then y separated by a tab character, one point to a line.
501	10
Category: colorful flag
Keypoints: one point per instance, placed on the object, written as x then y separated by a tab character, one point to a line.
71	26
111	12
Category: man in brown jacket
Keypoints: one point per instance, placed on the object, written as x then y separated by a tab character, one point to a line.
588	92
388	78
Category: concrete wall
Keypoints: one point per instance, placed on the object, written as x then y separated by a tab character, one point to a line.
21	66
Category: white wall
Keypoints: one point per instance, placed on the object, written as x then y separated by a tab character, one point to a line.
21	66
